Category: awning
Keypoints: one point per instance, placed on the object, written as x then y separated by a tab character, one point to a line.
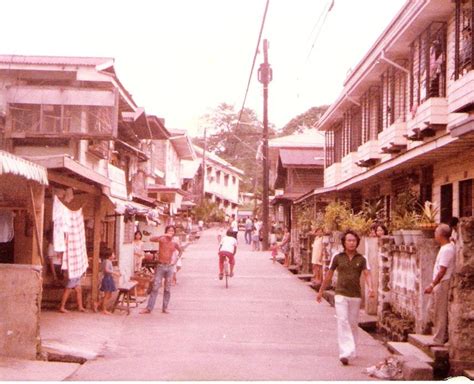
61	167
286	198
183	147
139	123
11	164
132	208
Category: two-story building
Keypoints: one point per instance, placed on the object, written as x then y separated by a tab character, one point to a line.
296	169
73	116
403	122
221	181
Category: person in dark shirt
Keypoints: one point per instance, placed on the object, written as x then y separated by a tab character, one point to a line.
349	265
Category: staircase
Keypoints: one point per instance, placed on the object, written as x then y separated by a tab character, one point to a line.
422	348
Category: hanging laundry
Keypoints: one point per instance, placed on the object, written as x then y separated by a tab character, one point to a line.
61	224
75	257
6	226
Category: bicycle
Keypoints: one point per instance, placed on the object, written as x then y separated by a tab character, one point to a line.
226	272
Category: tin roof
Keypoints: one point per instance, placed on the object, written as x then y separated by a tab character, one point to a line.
302	156
54	60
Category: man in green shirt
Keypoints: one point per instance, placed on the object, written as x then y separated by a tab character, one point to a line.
349	265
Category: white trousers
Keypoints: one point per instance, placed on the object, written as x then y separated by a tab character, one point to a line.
347	313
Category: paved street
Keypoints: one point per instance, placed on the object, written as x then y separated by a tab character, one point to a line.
266	326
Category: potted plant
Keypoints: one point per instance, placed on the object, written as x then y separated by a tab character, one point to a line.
429	212
336	212
357	222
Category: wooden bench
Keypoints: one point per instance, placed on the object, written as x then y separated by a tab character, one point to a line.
124	296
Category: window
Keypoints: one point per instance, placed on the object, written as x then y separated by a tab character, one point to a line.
226	180
465	198
463	55
428	65
394	85
62	120
370	114
338	143
218	177
329	148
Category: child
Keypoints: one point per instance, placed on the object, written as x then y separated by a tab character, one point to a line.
255	240
108	285
274	249
317	256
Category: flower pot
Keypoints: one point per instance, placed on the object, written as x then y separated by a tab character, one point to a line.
398	237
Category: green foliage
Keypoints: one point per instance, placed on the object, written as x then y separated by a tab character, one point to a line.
236	143
336	213
374	210
357	222
405	215
408	220
305	120
429	211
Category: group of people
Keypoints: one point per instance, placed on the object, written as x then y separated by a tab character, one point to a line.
350	266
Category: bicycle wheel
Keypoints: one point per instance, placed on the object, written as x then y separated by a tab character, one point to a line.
226	273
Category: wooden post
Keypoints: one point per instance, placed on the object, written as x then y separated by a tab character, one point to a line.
38	224
98	215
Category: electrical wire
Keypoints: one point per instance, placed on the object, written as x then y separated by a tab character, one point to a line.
250	76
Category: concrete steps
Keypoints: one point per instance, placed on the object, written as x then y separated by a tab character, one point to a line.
305	276
469	373
407	349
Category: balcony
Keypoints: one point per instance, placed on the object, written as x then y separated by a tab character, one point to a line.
392	139
461	94
332	175
349	166
431	116
369	154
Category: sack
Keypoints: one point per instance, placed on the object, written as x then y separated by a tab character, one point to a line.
150	286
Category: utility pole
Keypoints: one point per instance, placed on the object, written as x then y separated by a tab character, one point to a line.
265	76
203	192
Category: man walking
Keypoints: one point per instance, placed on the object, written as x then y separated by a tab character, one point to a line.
164	268
248	230
349	265
442	272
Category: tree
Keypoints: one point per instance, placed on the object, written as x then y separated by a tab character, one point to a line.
236	142
305	120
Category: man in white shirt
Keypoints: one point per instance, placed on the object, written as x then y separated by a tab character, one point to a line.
442	272
227	248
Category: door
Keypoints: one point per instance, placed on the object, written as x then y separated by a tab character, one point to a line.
446	208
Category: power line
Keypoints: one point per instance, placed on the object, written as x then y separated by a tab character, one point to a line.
251	73
324	14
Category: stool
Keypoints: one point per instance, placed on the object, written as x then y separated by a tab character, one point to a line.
124	294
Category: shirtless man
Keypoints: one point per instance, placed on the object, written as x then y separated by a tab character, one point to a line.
164	269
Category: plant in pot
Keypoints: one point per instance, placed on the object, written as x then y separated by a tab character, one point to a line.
357	222
429	212
407	224
336	212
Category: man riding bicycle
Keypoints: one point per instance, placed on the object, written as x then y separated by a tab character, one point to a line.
227	249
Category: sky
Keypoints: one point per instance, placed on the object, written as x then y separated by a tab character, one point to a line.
181	58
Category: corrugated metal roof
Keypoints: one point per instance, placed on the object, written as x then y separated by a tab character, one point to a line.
54	60
11	164
309	138
307	156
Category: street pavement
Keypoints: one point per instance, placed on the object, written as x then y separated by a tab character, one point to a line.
265	326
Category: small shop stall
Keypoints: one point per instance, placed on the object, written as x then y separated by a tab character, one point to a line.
22	186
